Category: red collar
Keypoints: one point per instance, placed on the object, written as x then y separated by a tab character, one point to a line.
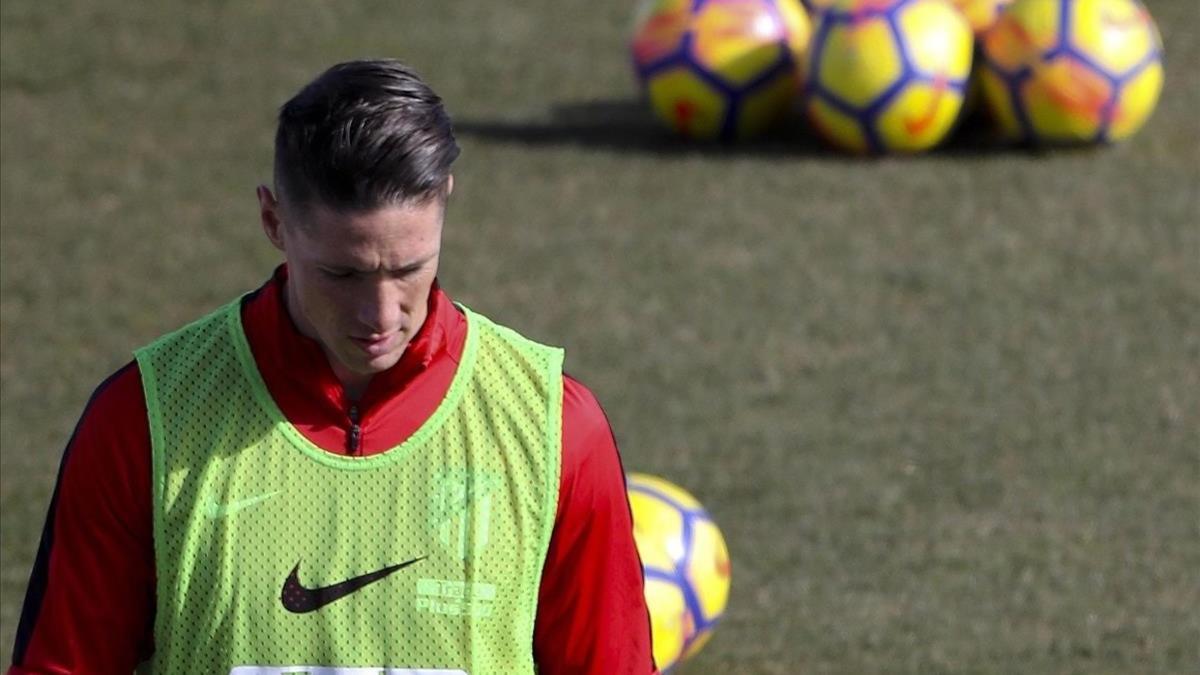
298	374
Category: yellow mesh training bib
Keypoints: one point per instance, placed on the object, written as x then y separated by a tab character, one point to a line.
274	556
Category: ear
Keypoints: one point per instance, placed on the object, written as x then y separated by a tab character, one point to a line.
449	184
272	221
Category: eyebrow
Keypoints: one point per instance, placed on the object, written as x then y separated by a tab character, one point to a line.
407	268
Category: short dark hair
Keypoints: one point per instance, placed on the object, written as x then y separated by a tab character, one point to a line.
364	134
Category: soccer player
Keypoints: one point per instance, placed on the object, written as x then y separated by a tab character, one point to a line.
342	469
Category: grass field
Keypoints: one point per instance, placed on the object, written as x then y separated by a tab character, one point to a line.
946	409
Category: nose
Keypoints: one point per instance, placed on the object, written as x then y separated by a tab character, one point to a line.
379	307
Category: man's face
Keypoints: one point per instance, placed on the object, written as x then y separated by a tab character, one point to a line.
358	283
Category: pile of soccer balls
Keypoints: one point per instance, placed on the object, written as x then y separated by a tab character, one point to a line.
686	567
878	76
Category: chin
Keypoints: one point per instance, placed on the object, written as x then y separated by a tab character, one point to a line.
379	365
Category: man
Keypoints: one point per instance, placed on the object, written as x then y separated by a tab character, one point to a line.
342	468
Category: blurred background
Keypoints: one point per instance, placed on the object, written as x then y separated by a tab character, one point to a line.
945	408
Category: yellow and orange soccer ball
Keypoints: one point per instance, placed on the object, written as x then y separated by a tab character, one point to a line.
887	75
719	69
1072	71
686	565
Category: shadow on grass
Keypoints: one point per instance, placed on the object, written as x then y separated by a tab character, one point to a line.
628	126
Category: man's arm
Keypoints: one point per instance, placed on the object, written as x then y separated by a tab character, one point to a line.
592	616
89	605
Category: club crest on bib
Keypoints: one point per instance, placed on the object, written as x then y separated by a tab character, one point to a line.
461	511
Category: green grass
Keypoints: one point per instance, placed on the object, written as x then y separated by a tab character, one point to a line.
945	409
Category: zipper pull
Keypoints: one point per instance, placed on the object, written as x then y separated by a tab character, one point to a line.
355	435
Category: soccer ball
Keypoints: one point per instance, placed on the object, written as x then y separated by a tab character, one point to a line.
719	69
887	75
686	566
1072	71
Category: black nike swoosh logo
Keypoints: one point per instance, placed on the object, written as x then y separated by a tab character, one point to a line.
299	600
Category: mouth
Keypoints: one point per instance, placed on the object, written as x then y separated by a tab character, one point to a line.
375	346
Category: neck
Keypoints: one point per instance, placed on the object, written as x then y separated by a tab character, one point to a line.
354	385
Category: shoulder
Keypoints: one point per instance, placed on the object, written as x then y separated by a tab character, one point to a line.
105	472
592	473
117	397
113	424
203	333
485	327
582	413
587	435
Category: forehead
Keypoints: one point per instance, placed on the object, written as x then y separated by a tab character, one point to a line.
400	228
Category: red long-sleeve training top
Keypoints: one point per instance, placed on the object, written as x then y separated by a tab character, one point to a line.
89	607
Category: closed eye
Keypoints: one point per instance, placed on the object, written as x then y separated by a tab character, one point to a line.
408	270
338	273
